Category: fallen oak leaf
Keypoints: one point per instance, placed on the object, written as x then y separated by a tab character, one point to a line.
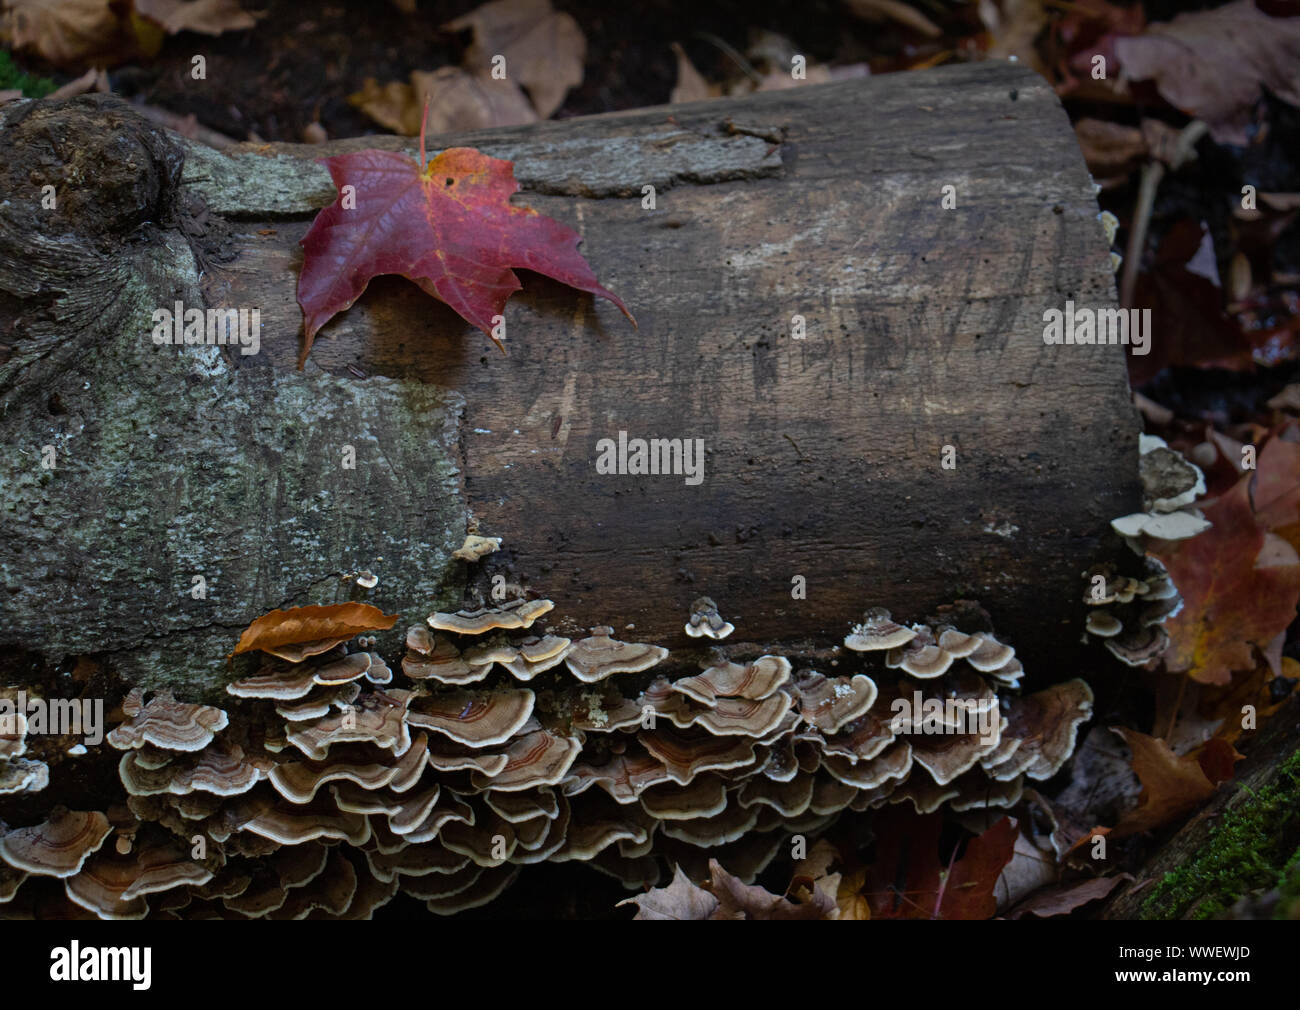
1171	785
280	630
737	900
724	896
448	226
681	899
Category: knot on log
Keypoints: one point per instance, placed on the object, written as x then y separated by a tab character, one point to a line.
90	189
112	172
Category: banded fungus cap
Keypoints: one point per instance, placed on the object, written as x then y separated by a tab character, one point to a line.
877	631
509	616
599	656
170	724
57	847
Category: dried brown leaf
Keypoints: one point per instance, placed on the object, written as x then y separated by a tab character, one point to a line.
544	49
338	621
737	900
679	900
1171	785
1212	64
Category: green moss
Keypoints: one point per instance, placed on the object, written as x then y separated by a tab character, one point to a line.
1288	907
12	77
1248	850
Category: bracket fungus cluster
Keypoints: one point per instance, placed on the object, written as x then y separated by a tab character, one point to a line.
1170	485
1128	612
19	774
327	788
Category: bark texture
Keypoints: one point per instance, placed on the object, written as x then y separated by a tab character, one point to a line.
922	329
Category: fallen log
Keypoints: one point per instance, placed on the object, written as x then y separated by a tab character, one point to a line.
1229	856
808	308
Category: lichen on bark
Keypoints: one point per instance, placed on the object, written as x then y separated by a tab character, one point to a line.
176	462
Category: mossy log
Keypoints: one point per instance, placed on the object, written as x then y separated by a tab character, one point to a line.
132	469
1237	847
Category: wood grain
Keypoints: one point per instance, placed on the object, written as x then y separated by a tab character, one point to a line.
923	329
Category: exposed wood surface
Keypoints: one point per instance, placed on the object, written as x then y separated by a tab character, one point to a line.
823	455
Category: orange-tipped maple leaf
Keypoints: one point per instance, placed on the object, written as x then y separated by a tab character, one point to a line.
449	227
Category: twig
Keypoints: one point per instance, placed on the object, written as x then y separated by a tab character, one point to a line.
1152	172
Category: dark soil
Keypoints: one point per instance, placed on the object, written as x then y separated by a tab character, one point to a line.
295	68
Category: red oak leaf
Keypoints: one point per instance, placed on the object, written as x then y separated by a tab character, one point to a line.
449	227
1240	585
907	881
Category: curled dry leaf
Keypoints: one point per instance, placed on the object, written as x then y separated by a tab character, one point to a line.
1062	899
737	900
339	621
724	896
681	899
544	49
1212	64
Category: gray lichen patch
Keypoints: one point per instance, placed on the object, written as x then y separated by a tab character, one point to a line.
259	184
156	498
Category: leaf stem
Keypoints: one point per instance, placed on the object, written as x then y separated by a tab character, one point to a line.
424	119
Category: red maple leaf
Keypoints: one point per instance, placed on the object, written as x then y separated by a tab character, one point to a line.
449	227
1235	593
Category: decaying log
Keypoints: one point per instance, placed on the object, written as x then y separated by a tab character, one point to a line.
922	329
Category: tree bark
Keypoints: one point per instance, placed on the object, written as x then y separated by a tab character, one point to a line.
823	452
